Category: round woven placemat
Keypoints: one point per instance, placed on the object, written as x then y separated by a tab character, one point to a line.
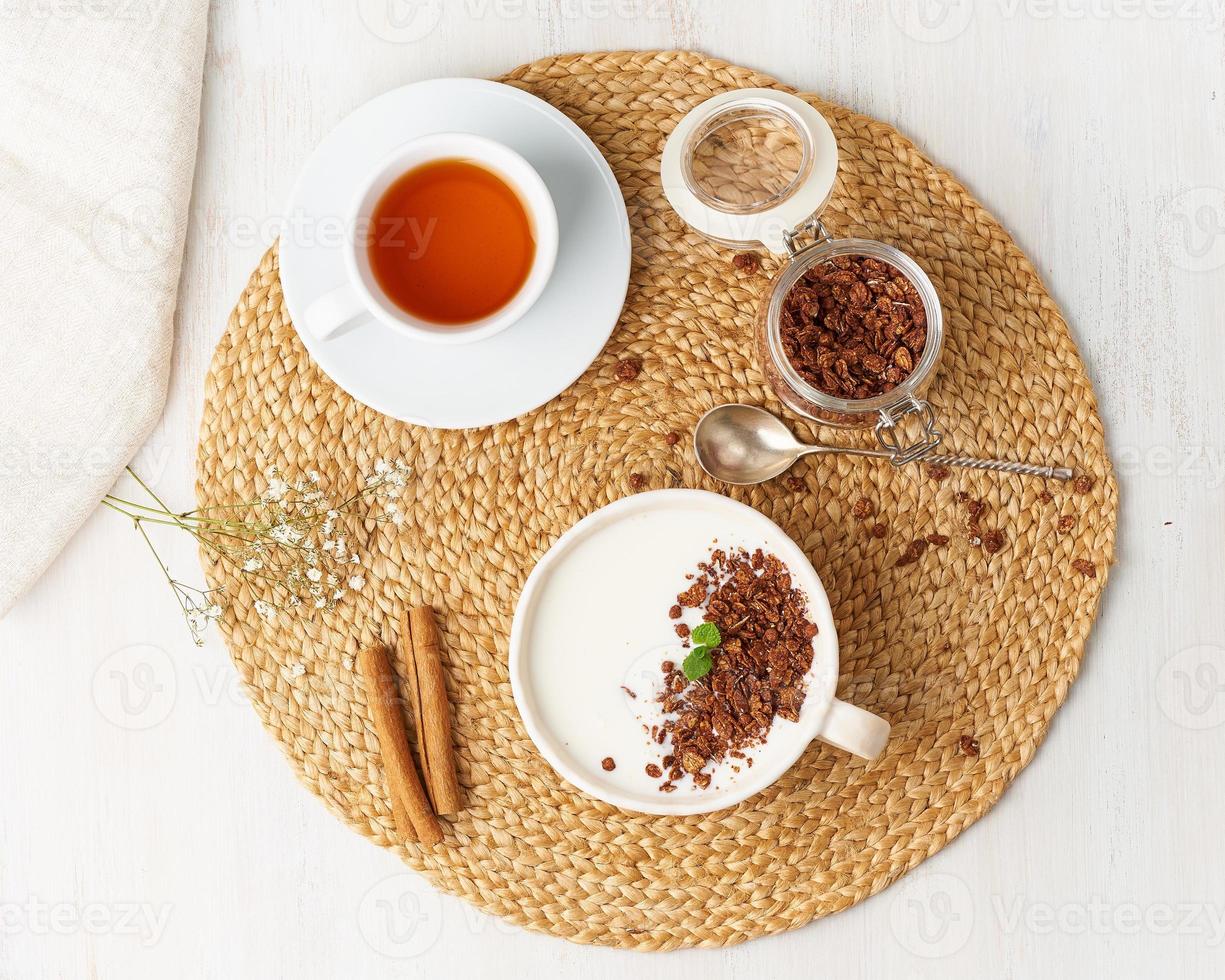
960	643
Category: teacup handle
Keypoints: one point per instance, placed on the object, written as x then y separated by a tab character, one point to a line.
333	310
857	731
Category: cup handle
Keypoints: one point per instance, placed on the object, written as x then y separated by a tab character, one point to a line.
857	731
333	310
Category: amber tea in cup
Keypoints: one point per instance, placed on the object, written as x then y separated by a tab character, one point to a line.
454	240
450	242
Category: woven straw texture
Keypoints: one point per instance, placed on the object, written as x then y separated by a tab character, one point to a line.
960	643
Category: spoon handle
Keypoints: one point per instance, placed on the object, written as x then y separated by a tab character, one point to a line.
967	462
1001	466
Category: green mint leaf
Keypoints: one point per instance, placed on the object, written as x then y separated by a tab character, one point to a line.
698	663
707	635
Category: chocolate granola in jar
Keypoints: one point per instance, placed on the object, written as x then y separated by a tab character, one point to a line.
852	331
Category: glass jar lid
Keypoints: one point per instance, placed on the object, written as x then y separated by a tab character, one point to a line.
747	167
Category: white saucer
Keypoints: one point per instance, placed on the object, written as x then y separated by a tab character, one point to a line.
489	381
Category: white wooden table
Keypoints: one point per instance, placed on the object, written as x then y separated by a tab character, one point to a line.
149	828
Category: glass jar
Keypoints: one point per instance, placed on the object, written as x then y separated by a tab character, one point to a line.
756	167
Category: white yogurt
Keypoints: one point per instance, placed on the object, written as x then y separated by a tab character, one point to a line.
599	624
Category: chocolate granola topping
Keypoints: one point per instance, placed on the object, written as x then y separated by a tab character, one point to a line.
758	669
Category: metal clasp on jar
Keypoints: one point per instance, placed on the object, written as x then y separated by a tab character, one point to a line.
889	433
820	234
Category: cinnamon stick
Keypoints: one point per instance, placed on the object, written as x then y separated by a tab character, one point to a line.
409	806
432	709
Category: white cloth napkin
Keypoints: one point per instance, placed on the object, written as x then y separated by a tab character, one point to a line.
99	108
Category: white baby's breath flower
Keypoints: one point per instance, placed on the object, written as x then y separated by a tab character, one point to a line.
282	533
293	670
277	489
290	540
347	663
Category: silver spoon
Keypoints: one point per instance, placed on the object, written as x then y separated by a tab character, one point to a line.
743	444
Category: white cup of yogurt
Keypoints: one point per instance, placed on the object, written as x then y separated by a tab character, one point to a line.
592	622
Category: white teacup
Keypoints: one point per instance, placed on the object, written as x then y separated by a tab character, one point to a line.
361	295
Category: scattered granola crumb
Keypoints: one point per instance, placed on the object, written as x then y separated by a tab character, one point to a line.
863	508
1083	484
629	692
747	262
993	541
795	483
628	368
1086	568
969	746
1067	522
879	530
938	473
1046	497
666	788
913	552
667	666
654	771
675	612
672	438
682	631
637	481
939	540
609	764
